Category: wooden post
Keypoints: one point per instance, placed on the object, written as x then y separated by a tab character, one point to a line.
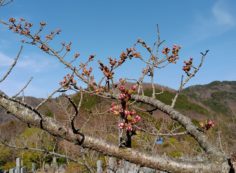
22	170
18	165
112	165
33	169
11	170
99	166
54	164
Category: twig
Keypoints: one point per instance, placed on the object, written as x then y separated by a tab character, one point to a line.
76	108
22	90
12	66
50	96
183	83
38	150
178	92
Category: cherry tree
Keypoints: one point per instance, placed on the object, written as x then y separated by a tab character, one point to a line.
124	96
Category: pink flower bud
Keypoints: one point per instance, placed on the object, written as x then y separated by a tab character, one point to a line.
134	87
122	88
137	118
129	127
121	125
122	96
211	123
115	109
132	112
127	112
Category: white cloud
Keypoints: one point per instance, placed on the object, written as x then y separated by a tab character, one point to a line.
222	15
33	62
218	20
5	60
4	44
34	65
14	84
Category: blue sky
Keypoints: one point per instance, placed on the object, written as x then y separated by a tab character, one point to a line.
107	27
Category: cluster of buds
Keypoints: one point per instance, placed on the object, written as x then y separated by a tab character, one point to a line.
115	109
106	71
98	89
42	23
44	47
207	124
125	94
87	72
172	59
146	70
112	62
128	117
129	53
67	81
129	125
68	47
52	34
143	43
165	50
76	55
94	86
188	65
21	27
175	50
126	126
91	57
175	53
49	36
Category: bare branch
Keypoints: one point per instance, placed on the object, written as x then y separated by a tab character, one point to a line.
76	108
38	150
178	92
49	97
185	122
164	134
161	163
22	90
12	66
218	161
190	76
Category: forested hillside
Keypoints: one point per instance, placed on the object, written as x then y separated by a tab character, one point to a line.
215	101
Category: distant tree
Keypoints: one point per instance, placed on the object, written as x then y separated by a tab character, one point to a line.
125	98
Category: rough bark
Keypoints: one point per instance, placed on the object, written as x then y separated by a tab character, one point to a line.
186	123
55	128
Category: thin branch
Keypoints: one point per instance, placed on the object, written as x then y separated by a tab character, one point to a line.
84	163
152	82
87	165
163	134
38	150
72	121
12	66
161	163
190	76
49	97
22	90
178	92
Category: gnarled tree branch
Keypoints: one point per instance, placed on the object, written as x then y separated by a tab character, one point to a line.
28	115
